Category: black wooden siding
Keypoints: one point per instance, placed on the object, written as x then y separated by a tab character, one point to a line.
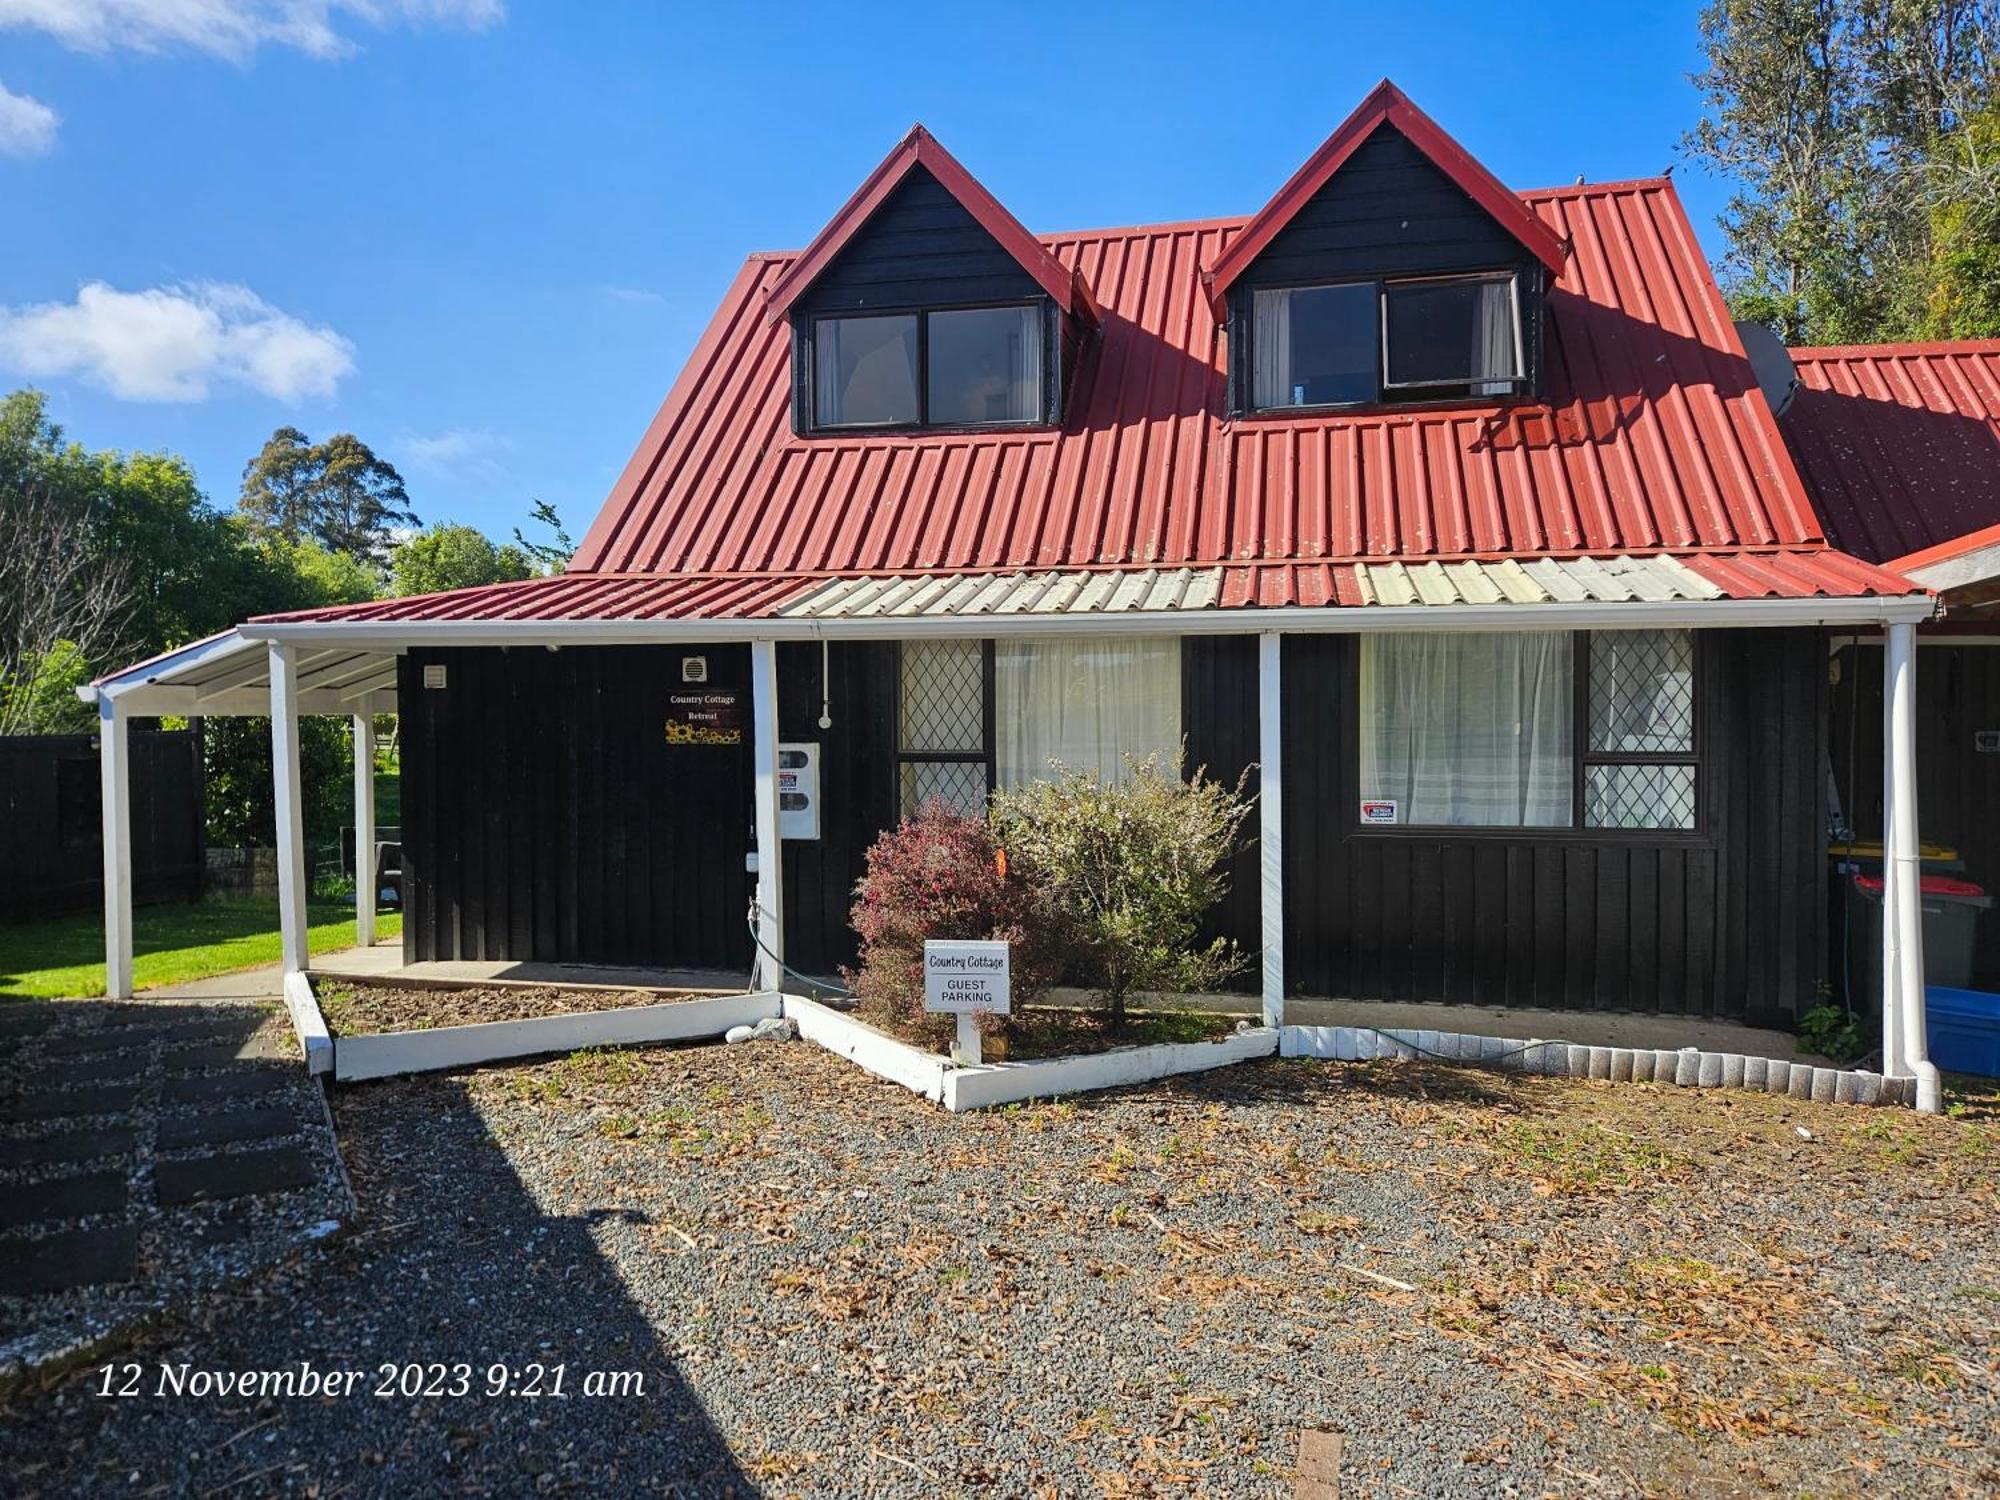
1388	212
1728	922
919	249
546	819
1958	785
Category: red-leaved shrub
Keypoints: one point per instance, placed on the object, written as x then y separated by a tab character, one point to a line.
937	876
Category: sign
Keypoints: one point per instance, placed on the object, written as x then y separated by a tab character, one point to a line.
798	790
960	978
705	716
1379	811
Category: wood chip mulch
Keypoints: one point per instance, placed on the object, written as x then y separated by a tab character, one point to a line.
366	1009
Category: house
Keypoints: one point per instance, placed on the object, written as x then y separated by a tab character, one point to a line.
1899	446
1456	512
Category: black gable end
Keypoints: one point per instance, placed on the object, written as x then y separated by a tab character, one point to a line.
1388	211
920	248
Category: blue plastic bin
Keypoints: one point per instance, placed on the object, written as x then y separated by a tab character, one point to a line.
1964	1030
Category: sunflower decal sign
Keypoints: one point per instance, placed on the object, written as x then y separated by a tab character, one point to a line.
705	716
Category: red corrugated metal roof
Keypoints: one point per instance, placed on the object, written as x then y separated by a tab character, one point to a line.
1899	443
1655	437
1385	104
1785	574
921	149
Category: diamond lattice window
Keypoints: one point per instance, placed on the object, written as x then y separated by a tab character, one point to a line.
942	725
1638	796
1641	771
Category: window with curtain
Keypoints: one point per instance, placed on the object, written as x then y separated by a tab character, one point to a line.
935	367
1468	731
1478	731
1367	341
1086	704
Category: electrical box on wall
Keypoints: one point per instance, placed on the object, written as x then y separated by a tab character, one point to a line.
798	790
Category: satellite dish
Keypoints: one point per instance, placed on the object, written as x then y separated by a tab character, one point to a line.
1771	363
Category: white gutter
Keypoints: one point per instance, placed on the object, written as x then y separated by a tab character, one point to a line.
1697	614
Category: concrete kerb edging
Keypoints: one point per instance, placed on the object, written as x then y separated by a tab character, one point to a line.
386	1054
1685	1067
987	1084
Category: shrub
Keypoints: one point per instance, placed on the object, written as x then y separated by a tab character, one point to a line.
1135	868
936	876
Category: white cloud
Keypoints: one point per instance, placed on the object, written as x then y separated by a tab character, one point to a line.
27	126
460	453
636	294
234	29
173	343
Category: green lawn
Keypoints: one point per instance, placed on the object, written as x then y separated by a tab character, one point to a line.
171	944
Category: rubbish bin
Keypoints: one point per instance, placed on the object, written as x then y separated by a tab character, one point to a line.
1951	909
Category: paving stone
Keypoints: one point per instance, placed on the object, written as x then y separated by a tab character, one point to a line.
97	1041
235	1176
208	1029
179	1132
205	1055
223	1231
63	1198
27	1022
71	1145
111	1068
56	1104
70	1258
200	1089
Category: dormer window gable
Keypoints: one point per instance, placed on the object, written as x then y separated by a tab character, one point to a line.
925	305
1391	270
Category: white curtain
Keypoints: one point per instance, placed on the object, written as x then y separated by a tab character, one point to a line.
865	370
1025	360
1084	704
1494	366
1468	730
1271	347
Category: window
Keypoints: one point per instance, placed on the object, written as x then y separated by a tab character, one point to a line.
945	367
1084	704
1477	731
1364	341
943	751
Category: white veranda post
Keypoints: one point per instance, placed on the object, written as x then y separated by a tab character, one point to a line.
289	809
767	972
1271	822
1905	1046
114	767
364	830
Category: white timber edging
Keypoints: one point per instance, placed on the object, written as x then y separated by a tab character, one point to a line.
875	1051
1047	1077
309	1025
384	1054
1687	1067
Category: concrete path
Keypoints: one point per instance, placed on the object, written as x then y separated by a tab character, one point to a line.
149	1150
386	961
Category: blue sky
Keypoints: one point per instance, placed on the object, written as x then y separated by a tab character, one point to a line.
485	236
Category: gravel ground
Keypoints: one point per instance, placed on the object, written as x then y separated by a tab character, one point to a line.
353	1009
1487	1284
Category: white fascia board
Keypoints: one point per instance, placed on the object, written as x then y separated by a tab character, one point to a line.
1697	614
146	700
230	643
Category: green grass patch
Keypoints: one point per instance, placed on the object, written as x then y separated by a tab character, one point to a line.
64	956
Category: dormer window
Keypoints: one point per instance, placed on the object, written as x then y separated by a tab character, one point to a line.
1349	343
936	367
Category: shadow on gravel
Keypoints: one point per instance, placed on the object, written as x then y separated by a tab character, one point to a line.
456	1298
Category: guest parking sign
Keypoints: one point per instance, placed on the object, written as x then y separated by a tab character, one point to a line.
960	978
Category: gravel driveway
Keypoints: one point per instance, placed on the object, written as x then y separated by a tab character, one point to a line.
833	1288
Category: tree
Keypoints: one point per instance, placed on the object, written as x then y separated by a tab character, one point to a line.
1135	867
551	556
454	557
1835	116
338	493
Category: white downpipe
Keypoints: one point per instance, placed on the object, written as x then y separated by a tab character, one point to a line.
114	768
1271	821
365	890
770	911
289	808
1902	894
